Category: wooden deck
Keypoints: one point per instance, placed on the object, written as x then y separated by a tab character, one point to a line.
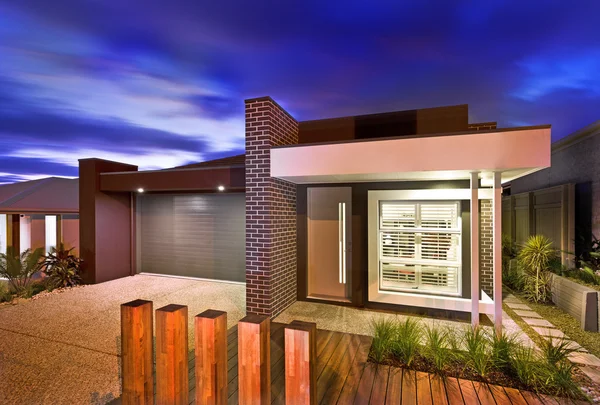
345	377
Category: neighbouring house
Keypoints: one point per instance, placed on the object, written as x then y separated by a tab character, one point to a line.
398	211
39	213
562	201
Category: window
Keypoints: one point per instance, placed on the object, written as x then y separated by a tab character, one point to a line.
50	221
419	246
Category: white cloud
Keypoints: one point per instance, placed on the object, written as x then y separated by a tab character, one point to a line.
146	159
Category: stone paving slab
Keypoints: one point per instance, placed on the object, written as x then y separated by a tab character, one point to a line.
592	372
572	345
527	314
515	305
550	332
538	322
585	358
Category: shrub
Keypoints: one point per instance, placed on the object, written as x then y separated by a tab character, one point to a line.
5	295
383	340
19	269
503	348
535	258
478	353
558	379
62	267
554	353
437	347
407	339
525	366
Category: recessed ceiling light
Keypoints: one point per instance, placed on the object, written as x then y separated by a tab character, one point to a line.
221	188
140	190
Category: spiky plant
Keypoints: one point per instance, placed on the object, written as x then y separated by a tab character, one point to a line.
384	332
478	350
19	269
437	347
407	339
62	267
534	258
503	348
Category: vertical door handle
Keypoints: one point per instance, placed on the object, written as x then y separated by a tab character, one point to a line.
342	242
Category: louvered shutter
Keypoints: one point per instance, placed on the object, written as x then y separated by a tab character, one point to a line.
419	246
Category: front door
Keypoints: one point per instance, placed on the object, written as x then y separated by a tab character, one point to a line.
329	243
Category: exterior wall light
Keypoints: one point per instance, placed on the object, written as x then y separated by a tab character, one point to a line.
221	188
140	190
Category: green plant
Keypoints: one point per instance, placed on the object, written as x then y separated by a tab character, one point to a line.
478	353
437	347
503	348
555	351
62	267
525	366
384	331
20	268
558	379
534	258
407	339
5	295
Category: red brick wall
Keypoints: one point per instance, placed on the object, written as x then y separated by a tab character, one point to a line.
486	253
270	211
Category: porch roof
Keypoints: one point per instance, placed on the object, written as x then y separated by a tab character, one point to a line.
512	152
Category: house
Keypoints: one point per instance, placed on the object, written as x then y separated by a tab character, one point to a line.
397	211
39	213
562	201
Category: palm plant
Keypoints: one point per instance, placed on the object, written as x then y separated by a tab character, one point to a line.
19	269
534	258
62	267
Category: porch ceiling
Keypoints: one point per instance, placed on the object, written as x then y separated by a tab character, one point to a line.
513	153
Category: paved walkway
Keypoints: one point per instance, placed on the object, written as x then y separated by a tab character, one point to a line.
587	362
64	348
547	330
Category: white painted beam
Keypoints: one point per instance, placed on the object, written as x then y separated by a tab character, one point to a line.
497	251
474	249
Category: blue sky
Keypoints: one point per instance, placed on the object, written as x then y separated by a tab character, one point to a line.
160	84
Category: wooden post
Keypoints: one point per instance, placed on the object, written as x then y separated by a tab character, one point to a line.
211	357
300	363
171	355
137	378
254	360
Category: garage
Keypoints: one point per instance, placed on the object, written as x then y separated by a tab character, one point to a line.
200	235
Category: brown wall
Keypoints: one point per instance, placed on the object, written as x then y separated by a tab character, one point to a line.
38	232
104	224
70	232
400	123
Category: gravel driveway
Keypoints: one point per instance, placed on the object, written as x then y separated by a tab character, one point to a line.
63	348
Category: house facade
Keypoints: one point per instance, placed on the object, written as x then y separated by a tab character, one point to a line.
39	214
398	211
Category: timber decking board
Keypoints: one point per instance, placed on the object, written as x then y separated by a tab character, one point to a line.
346	377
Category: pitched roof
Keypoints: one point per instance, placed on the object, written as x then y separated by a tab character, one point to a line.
237	160
48	195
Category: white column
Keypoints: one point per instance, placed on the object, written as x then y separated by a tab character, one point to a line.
497	250
475	249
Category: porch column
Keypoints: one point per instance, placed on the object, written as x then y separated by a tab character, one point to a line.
497	250
475	248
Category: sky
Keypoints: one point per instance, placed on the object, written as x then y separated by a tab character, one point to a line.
162	83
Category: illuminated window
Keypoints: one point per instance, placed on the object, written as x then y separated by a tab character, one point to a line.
50	232
419	246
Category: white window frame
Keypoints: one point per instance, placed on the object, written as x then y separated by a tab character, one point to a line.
418	262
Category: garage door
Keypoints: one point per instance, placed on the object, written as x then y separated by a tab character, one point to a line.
192	235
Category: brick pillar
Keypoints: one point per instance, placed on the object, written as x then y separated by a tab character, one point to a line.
486	262
270	211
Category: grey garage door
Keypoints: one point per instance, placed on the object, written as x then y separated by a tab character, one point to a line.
192	235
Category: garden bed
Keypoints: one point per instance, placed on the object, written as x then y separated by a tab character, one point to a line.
475	354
